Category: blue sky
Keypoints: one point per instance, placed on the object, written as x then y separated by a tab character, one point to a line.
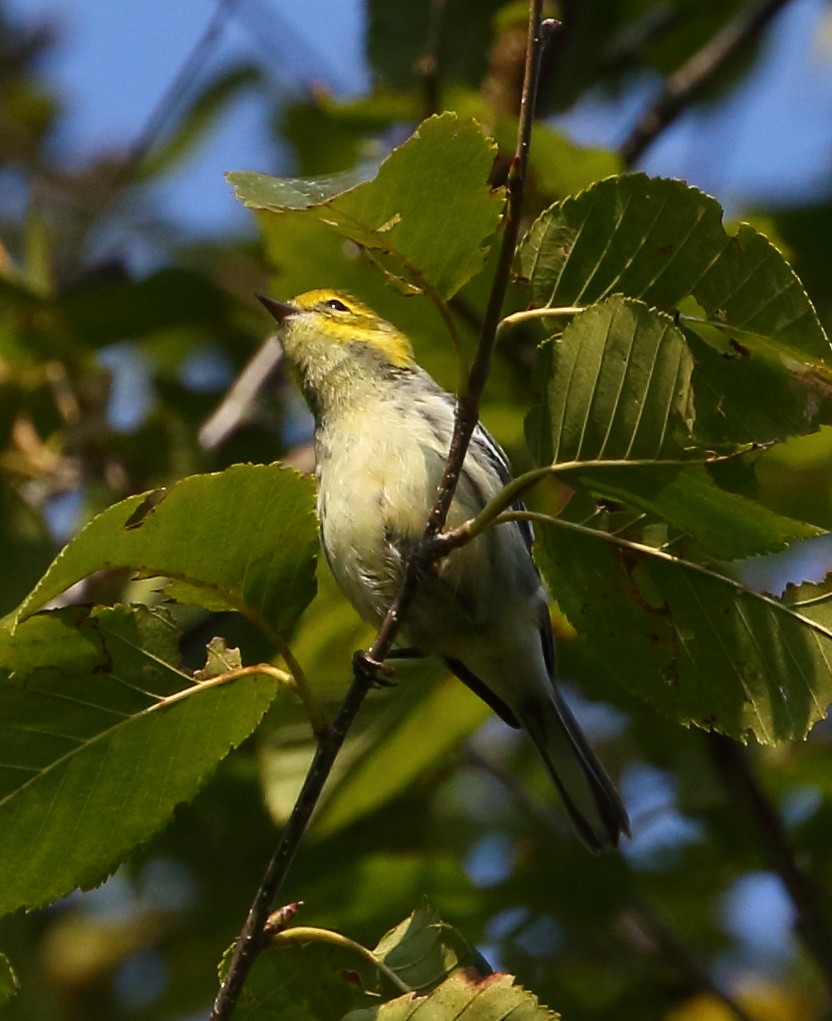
114	61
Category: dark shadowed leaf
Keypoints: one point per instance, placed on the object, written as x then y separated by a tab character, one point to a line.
419	738
696	645
404	40
725	525
9	985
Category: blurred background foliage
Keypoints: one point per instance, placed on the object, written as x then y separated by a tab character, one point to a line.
120	331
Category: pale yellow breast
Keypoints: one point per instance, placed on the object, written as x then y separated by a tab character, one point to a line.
375	487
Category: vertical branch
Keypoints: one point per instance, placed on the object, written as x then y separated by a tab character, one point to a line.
468	402
252	938
813	923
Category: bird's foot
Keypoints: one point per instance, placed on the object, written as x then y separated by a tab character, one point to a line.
371	670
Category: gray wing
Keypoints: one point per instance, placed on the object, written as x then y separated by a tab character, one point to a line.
497	459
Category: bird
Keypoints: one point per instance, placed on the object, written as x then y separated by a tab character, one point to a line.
382	431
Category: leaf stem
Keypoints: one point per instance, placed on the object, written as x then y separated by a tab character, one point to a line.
314	713
310	934
516	318
659	554
519	486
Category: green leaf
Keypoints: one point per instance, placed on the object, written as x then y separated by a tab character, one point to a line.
423	951
618	386
329	134
662	241
733	368
302	982
27	546
695	644
102	736
107	309
427	214
242	539
726	525
397	753
309	974
560	167
9	986
219	659
462	998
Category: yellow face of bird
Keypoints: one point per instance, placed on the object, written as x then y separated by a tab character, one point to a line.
319	322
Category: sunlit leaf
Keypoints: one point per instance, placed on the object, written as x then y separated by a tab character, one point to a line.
423	951
461	998
316	974
560	167
661	241
427	214
242	539
102	736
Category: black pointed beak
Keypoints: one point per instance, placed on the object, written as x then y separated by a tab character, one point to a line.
279	309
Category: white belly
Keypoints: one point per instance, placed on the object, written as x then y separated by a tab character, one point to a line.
375	492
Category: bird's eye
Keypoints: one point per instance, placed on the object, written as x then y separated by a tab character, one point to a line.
339	306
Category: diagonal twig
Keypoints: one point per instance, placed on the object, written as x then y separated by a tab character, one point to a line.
813	921
685	84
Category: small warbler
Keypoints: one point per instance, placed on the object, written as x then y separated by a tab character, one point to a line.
382	432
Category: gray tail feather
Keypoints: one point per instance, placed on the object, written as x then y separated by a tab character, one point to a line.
591	801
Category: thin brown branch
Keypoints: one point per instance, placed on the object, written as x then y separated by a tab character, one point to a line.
185	76
671	949
813	924
252	939
690	80
662	940
237	403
